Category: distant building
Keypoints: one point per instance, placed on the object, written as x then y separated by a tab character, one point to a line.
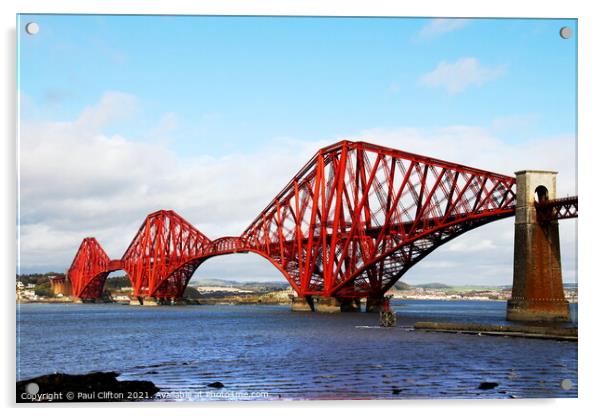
26	295
213	289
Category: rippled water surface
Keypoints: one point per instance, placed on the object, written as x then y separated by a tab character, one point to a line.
268	352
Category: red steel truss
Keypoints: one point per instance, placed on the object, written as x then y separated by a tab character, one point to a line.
163	255
557	209
349	224
90	269
358	216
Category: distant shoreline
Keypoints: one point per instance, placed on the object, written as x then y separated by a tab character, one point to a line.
37	289
232	302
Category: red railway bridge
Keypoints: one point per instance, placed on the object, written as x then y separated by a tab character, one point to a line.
347	226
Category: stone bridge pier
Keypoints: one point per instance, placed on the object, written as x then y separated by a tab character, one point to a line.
537	290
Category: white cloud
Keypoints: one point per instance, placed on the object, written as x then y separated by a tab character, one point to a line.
77	181
440	26
113	106
457	76
166	125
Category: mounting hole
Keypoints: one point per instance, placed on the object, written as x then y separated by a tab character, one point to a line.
32	28
566	32
32	388
566	384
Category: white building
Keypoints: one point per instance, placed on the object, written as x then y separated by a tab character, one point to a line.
27	295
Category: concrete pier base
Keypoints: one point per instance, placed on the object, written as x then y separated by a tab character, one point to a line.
136	301
538	310
152	301
350	305
537	289
302	304
324	304
148	301
375	304
327	304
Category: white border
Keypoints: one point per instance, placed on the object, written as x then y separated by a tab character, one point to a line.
590	36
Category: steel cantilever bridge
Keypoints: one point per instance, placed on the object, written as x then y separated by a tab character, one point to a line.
349	224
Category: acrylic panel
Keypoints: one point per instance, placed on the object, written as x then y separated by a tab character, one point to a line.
296	208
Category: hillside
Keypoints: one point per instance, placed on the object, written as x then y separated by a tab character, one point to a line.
434	286
249	285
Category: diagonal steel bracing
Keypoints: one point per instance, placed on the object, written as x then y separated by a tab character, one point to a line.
350	223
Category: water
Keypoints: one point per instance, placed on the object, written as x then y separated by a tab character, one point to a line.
268	352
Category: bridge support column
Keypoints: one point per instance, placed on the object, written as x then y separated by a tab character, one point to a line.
324	304
150	301
350	305
537	290
327	304
136	300
302	304
376	304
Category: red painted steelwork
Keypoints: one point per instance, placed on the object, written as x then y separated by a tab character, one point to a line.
557	209
353	220
163	255
89	269
358	216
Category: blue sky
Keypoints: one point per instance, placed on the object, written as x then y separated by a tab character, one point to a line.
230	89
239	81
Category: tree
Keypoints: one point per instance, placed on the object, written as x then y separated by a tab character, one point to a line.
44	290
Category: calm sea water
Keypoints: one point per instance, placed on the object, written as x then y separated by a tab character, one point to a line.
268	352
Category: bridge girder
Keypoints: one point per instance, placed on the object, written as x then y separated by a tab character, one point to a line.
357	216
89	270
350	223
163	255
